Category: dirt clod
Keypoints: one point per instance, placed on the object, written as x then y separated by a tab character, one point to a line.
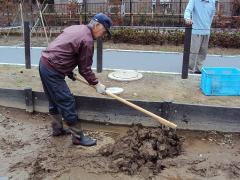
142	150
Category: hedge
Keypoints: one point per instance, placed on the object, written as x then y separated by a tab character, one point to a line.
174	37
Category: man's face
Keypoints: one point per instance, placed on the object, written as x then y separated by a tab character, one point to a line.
99	31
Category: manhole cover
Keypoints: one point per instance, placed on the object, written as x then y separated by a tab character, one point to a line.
125	75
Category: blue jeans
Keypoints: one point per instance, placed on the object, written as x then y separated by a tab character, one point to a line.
60	98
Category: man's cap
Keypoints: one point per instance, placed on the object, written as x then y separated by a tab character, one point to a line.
104	20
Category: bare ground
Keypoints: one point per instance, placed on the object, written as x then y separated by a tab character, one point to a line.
28	151
152	87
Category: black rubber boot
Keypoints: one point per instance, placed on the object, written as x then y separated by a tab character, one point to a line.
83	140
57	126
78	137
197	72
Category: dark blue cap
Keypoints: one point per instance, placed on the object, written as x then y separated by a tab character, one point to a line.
104	20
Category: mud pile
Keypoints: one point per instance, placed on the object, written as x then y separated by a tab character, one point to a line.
142	150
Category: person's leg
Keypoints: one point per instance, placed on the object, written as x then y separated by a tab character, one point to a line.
202	52
57	124
66	104
62	97
51	106
194	50
57	121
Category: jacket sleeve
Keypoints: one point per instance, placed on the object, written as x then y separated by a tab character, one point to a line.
85	60
189	10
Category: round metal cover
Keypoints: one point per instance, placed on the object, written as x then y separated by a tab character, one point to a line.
125	75
115	90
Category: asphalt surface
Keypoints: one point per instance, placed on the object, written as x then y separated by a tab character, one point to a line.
124	59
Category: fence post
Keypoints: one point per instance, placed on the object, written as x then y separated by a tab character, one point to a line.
99	54
131	15
186	51
27	45
8	18
85	11
180	13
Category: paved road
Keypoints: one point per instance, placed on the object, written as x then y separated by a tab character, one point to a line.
120	59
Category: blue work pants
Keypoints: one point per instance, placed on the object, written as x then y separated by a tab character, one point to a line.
60	98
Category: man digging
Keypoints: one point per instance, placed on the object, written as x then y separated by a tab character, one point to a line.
73	47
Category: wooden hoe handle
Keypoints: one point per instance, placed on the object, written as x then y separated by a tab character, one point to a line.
154	116
161	120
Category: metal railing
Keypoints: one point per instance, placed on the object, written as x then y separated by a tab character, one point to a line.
166	13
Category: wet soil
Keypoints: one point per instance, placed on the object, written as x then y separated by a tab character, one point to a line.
28	151
142	150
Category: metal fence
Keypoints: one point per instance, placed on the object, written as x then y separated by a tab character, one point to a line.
167	13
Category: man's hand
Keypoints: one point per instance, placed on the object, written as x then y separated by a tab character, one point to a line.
188	21
100	88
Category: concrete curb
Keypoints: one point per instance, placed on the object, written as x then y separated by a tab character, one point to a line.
110	111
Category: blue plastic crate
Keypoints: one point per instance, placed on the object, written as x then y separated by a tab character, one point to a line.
220	81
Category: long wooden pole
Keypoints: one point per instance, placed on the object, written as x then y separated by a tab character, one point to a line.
154	116
41	16
33	28
158	118
22	19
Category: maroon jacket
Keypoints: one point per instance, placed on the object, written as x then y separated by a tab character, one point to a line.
73	47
